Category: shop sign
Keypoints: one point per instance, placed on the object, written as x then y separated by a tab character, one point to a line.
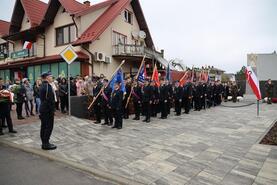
19	54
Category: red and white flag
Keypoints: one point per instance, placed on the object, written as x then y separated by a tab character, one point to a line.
27	45
155	76
253	82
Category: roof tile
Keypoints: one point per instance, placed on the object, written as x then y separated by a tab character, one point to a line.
101	24
4	28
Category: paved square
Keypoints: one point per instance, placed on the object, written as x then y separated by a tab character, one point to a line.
215	146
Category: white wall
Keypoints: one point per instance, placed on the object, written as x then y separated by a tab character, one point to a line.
267	66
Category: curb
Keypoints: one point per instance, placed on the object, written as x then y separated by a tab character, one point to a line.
94	172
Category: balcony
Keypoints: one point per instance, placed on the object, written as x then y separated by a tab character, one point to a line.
128	50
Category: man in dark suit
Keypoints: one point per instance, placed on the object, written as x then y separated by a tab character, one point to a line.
147	94
97	104
106	103
164	99
178	94
117	98
187	97
269	91
47	109
137	99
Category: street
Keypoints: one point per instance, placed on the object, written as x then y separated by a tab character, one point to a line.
20	168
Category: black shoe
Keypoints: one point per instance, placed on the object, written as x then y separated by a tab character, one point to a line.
13	131
148	121
114	127
20	117
48	147
177	114
32	114
145	120
136	118
1	133
119	128
97	122
105	123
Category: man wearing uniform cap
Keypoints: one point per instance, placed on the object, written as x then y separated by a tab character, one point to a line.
47	109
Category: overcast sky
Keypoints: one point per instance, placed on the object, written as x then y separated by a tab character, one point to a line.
206	32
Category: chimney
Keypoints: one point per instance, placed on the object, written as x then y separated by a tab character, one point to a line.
87	3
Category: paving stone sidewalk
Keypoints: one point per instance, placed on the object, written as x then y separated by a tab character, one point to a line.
214	146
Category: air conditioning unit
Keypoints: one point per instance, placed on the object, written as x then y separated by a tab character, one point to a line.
100	57
108	60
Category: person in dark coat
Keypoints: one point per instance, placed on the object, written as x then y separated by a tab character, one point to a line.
164	99
218	90
116	103
234	92
47	109
198	95
147	94
187	97
128	87
178	95
97	104
137	99
269	91
204	95
155	98
106	103
170	95
63	93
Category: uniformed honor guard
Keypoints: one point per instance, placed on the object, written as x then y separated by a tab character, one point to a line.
137	99
164	99
97	104
47	109
106	103
178	94
128	88
155	98
187	97
147	94
117	98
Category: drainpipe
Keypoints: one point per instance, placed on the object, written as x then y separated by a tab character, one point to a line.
77	35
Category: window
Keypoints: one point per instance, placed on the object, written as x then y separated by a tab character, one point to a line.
4	50
128	16
119	38
65	35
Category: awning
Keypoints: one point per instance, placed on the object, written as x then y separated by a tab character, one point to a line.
41	60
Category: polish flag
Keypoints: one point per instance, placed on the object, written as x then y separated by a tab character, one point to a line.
27	45
253	82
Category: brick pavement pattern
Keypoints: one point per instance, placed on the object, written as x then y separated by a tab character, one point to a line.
211	147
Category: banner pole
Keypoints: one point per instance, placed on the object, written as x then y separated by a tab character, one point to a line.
258	108
68	83
123	61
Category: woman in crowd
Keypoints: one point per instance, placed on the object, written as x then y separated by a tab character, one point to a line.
36	94
63	95
29	106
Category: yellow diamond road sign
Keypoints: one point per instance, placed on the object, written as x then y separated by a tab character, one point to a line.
68	54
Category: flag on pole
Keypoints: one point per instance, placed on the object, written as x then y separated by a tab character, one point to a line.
27	45
142	74
168	74
118	77
184	79
155	76
253	82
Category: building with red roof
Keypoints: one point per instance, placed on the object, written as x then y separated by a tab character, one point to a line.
102	34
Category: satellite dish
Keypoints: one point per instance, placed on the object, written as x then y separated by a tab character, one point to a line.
142	35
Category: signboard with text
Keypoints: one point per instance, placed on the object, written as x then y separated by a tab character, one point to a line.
19	54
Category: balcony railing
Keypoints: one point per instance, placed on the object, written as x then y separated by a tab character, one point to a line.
134	50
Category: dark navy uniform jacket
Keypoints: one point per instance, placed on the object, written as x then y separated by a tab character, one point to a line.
47	98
